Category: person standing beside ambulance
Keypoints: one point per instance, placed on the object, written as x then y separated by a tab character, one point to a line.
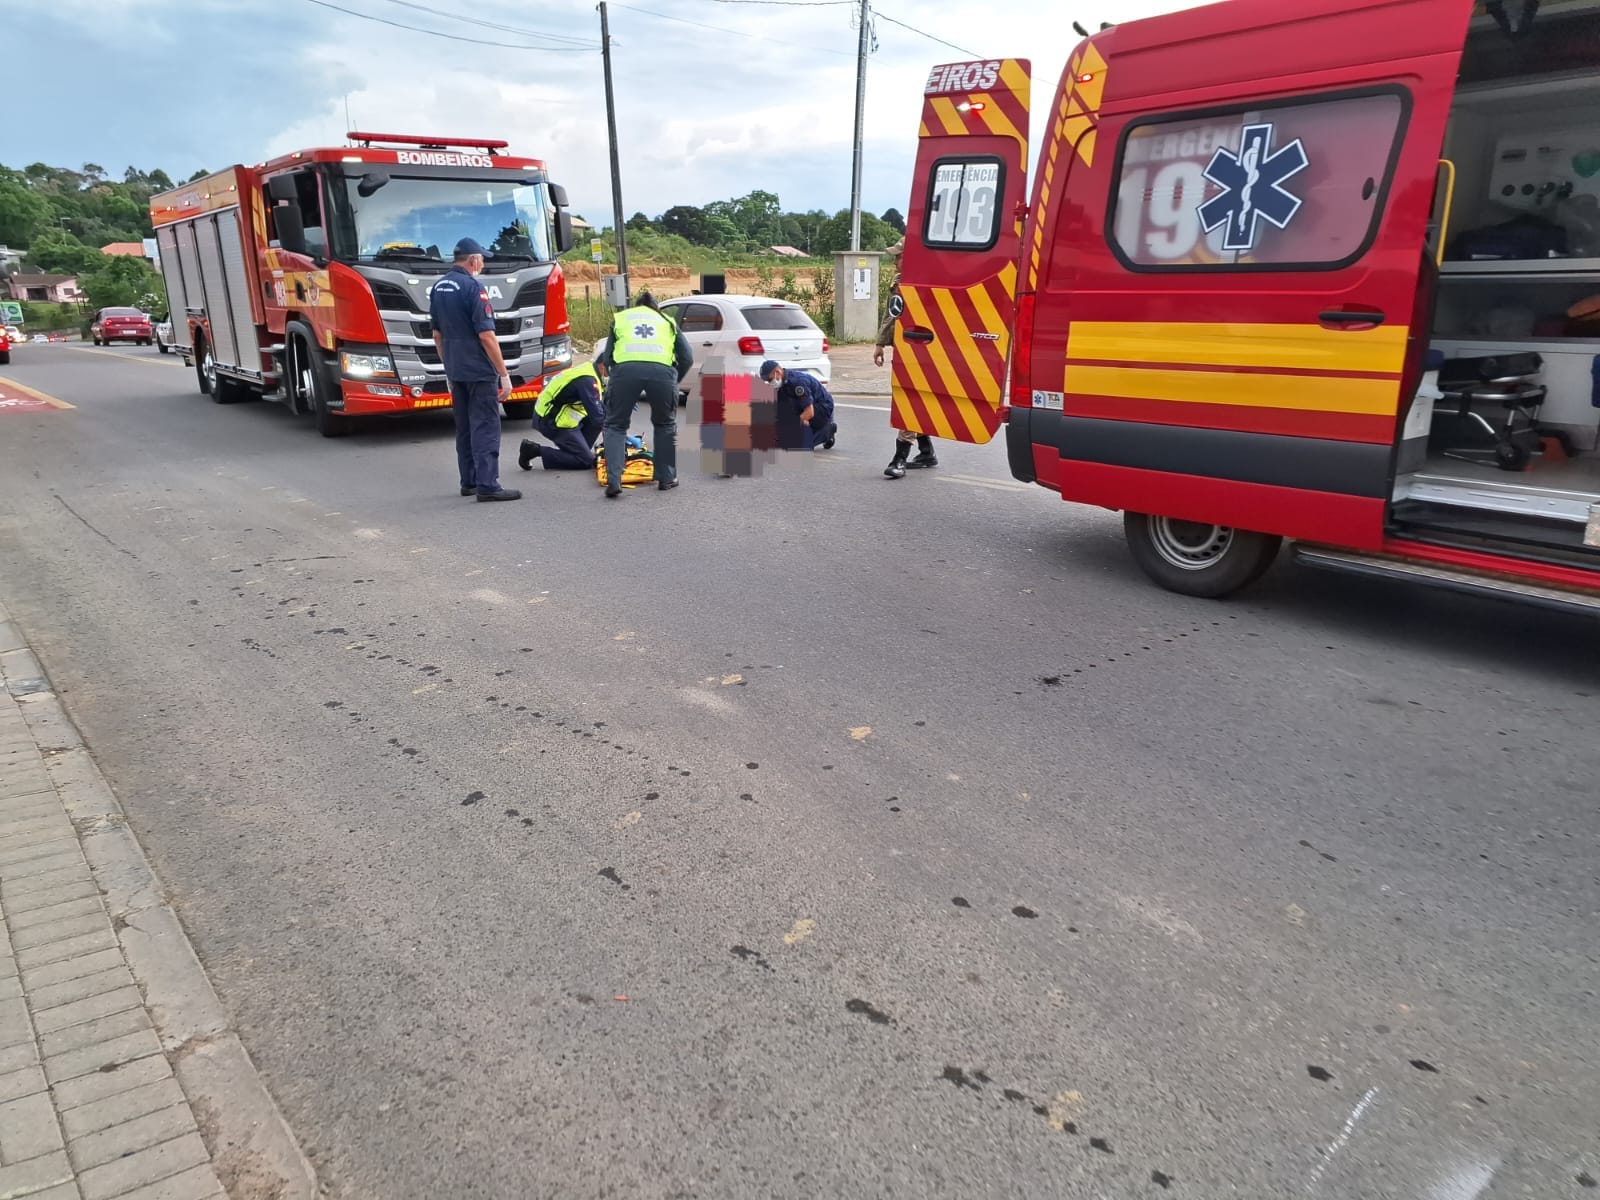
463	333
903	437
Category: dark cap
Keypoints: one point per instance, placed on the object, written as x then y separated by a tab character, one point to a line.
467	247
767	368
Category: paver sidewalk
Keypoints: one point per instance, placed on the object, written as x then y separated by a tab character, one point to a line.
111	1038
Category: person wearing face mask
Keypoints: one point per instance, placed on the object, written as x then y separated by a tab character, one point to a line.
463	333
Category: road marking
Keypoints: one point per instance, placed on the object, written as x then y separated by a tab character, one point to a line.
863	407
1003	485
138	358
803	929
1338	1143
33	393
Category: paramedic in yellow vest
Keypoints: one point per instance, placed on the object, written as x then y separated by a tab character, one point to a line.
569	413
645	359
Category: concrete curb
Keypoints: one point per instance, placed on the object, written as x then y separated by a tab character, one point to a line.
253	1150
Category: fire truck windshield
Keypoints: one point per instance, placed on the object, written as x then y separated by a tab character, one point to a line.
421	219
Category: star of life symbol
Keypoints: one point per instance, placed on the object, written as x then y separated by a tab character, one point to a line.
644	330
1252	187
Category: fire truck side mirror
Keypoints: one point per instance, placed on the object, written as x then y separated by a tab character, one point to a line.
558	198
370	183
290	227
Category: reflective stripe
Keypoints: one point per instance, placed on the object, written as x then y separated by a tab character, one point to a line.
643	335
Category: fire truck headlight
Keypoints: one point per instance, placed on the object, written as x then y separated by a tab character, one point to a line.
366	366
558	353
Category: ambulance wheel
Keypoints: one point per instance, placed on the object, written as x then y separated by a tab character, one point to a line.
521	410
1195	558
1511	457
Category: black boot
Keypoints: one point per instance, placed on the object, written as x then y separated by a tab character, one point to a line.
527	453
925	455
897	465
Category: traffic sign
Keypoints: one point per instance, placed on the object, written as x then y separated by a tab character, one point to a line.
597	250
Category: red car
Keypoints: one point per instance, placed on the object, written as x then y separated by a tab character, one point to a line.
121	325
5	347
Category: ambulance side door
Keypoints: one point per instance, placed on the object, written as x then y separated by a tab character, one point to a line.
958	283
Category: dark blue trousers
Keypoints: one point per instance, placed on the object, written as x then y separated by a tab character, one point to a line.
571	449
476	404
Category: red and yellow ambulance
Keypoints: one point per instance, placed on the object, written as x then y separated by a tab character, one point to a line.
1326	271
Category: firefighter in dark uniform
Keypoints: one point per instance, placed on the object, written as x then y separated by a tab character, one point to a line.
645	359
903	437
570	414
809	399
463	333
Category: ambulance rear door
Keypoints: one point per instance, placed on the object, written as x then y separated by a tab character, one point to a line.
958	283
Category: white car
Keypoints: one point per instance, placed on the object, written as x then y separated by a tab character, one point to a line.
164	337
745	331
15	334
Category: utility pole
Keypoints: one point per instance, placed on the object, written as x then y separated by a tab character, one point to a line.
861	108
616	169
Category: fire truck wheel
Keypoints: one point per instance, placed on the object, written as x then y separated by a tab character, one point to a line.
1197	559
312	382
205	369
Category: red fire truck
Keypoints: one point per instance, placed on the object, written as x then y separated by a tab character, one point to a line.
305	279
1326	271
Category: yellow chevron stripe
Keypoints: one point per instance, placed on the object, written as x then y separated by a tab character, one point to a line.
1319	393
994	117
919	380
1086	147
990	316
961	328
977	429
923	131
945	109
1015	79
941	364
1305	347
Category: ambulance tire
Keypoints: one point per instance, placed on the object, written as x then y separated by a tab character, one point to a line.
520	410
1196	559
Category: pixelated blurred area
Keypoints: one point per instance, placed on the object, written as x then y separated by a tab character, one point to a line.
742	424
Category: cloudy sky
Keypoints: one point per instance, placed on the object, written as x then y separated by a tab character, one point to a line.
764	99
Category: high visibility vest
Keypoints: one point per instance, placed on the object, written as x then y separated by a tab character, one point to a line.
643	335
569	413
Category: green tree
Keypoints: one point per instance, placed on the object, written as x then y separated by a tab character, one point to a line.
22	210
639	223
687	222
894	221
59	252
123	281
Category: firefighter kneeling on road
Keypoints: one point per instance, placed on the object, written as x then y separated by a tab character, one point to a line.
569	412
809	398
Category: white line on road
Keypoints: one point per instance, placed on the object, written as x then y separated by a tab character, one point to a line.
138	358
1338	1143
863	407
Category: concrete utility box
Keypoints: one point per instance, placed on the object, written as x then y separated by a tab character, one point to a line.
616	290
855	294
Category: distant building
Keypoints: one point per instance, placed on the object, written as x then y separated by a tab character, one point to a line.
787	252
10	260
58	289
125	250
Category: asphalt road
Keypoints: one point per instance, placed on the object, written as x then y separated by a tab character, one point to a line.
815	835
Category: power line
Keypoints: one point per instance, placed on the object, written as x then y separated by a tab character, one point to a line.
720	29
791	3
454	37
877	12
451	16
